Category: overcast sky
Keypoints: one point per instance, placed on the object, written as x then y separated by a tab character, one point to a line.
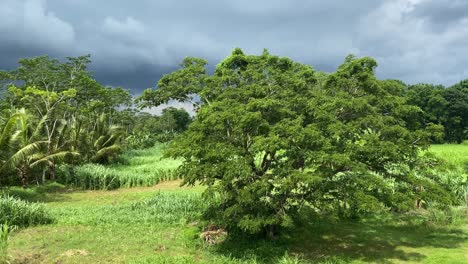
133	43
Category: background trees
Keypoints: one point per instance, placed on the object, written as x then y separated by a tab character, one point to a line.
53	112
443	106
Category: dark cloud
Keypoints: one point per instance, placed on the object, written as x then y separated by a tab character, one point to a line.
142	77
442	13
133	43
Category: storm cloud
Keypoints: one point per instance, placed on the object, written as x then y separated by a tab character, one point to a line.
133	43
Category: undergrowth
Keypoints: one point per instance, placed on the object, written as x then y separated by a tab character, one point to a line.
22	213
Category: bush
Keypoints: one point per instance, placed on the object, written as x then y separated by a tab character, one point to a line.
456	182
452	216
21	213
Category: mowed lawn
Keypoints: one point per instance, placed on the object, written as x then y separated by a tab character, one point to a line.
160	224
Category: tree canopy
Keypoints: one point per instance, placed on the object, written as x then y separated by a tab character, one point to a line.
272	135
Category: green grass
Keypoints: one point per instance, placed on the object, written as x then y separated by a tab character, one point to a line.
455	154
141	168
159	225
455	176
16	212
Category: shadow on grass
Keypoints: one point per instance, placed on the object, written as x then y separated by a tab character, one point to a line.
49	192
342	242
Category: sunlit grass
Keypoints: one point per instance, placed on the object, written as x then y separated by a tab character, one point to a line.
455	154
159	225
16	212
145	167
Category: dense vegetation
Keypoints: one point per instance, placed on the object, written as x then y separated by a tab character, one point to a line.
54	112
276	149
160	225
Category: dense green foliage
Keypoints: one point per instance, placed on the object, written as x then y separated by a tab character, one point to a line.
271	136
453	169
54	112
443	106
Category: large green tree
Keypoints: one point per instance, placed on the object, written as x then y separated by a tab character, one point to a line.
456	124
272	135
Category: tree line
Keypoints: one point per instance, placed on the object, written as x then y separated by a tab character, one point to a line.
445	106
54	112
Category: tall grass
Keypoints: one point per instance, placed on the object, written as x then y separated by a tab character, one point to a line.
455	176
21	213
5	230
454	154
166	208
138	168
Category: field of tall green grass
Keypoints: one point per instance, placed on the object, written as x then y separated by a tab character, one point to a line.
455	174
135	168
455	154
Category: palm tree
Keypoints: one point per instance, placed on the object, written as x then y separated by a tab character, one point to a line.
106	141
14	150
23	148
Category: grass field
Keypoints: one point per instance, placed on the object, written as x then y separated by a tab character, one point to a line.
159	224
457	155
126	226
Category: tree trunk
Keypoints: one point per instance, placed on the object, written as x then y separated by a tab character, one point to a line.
52	171
23	175
418	203
271	231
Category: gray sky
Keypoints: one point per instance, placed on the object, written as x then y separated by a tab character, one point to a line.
133	43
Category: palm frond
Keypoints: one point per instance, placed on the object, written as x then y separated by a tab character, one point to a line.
54	158
9	129
22	155
107	152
